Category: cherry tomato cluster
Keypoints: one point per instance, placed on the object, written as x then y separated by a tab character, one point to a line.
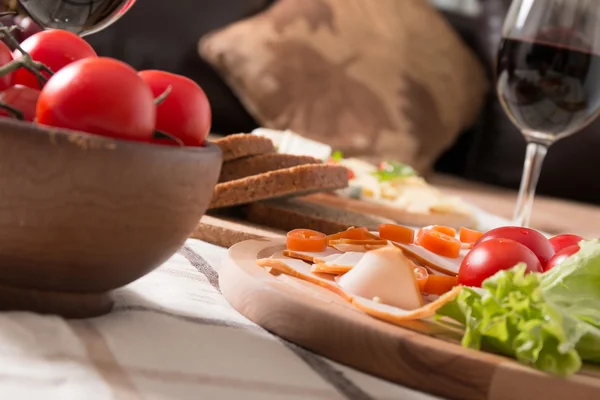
102	96
503	248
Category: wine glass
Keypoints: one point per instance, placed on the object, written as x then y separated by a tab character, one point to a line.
548	78
82	17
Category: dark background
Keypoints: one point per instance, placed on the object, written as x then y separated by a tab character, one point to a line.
156	34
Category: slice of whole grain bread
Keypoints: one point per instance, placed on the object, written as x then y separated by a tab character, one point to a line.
248	166
394	212
290	214
244	145
288	182
225	232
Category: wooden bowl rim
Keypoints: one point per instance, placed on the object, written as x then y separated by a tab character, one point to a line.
12	126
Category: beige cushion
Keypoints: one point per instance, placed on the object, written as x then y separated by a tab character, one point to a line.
377	79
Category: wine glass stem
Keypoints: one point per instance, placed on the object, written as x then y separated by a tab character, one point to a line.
534	158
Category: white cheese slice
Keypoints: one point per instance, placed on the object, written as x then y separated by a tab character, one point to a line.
289	142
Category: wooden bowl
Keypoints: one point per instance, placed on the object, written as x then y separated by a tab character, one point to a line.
81	215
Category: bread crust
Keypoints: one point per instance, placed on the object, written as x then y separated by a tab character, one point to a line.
288	182
226	232
255	165
290	214
242	145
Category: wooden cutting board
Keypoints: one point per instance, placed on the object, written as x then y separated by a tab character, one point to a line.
422	356
226	231
397	214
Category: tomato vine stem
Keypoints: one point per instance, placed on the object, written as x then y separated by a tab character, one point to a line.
160	99
25	61
18	114
163	135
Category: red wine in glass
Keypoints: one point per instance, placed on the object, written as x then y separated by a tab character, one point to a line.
82	17
548	90
548	78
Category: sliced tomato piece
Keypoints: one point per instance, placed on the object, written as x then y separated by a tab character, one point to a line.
353	234
469	235
306	240
439	243
446	230
440	284
397	233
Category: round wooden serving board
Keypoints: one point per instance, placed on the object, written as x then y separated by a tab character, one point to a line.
421	356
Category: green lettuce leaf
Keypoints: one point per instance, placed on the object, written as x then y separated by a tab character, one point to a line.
337	156
390	170
511	316
574	285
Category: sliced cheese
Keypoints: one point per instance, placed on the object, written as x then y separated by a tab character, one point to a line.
387	274
289	142
413	194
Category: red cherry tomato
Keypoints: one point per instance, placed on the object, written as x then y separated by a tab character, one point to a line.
561	256
21	98
54	48
494	255
6	56
563	241
532	239
99	95
185	113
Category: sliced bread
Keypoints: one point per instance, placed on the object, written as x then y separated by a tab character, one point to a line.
391	211
248	166
295	213
288	182
242	145
225	232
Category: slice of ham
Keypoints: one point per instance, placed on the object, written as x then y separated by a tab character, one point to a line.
314	258
340	264
391	314
432	261
396	315
301	270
